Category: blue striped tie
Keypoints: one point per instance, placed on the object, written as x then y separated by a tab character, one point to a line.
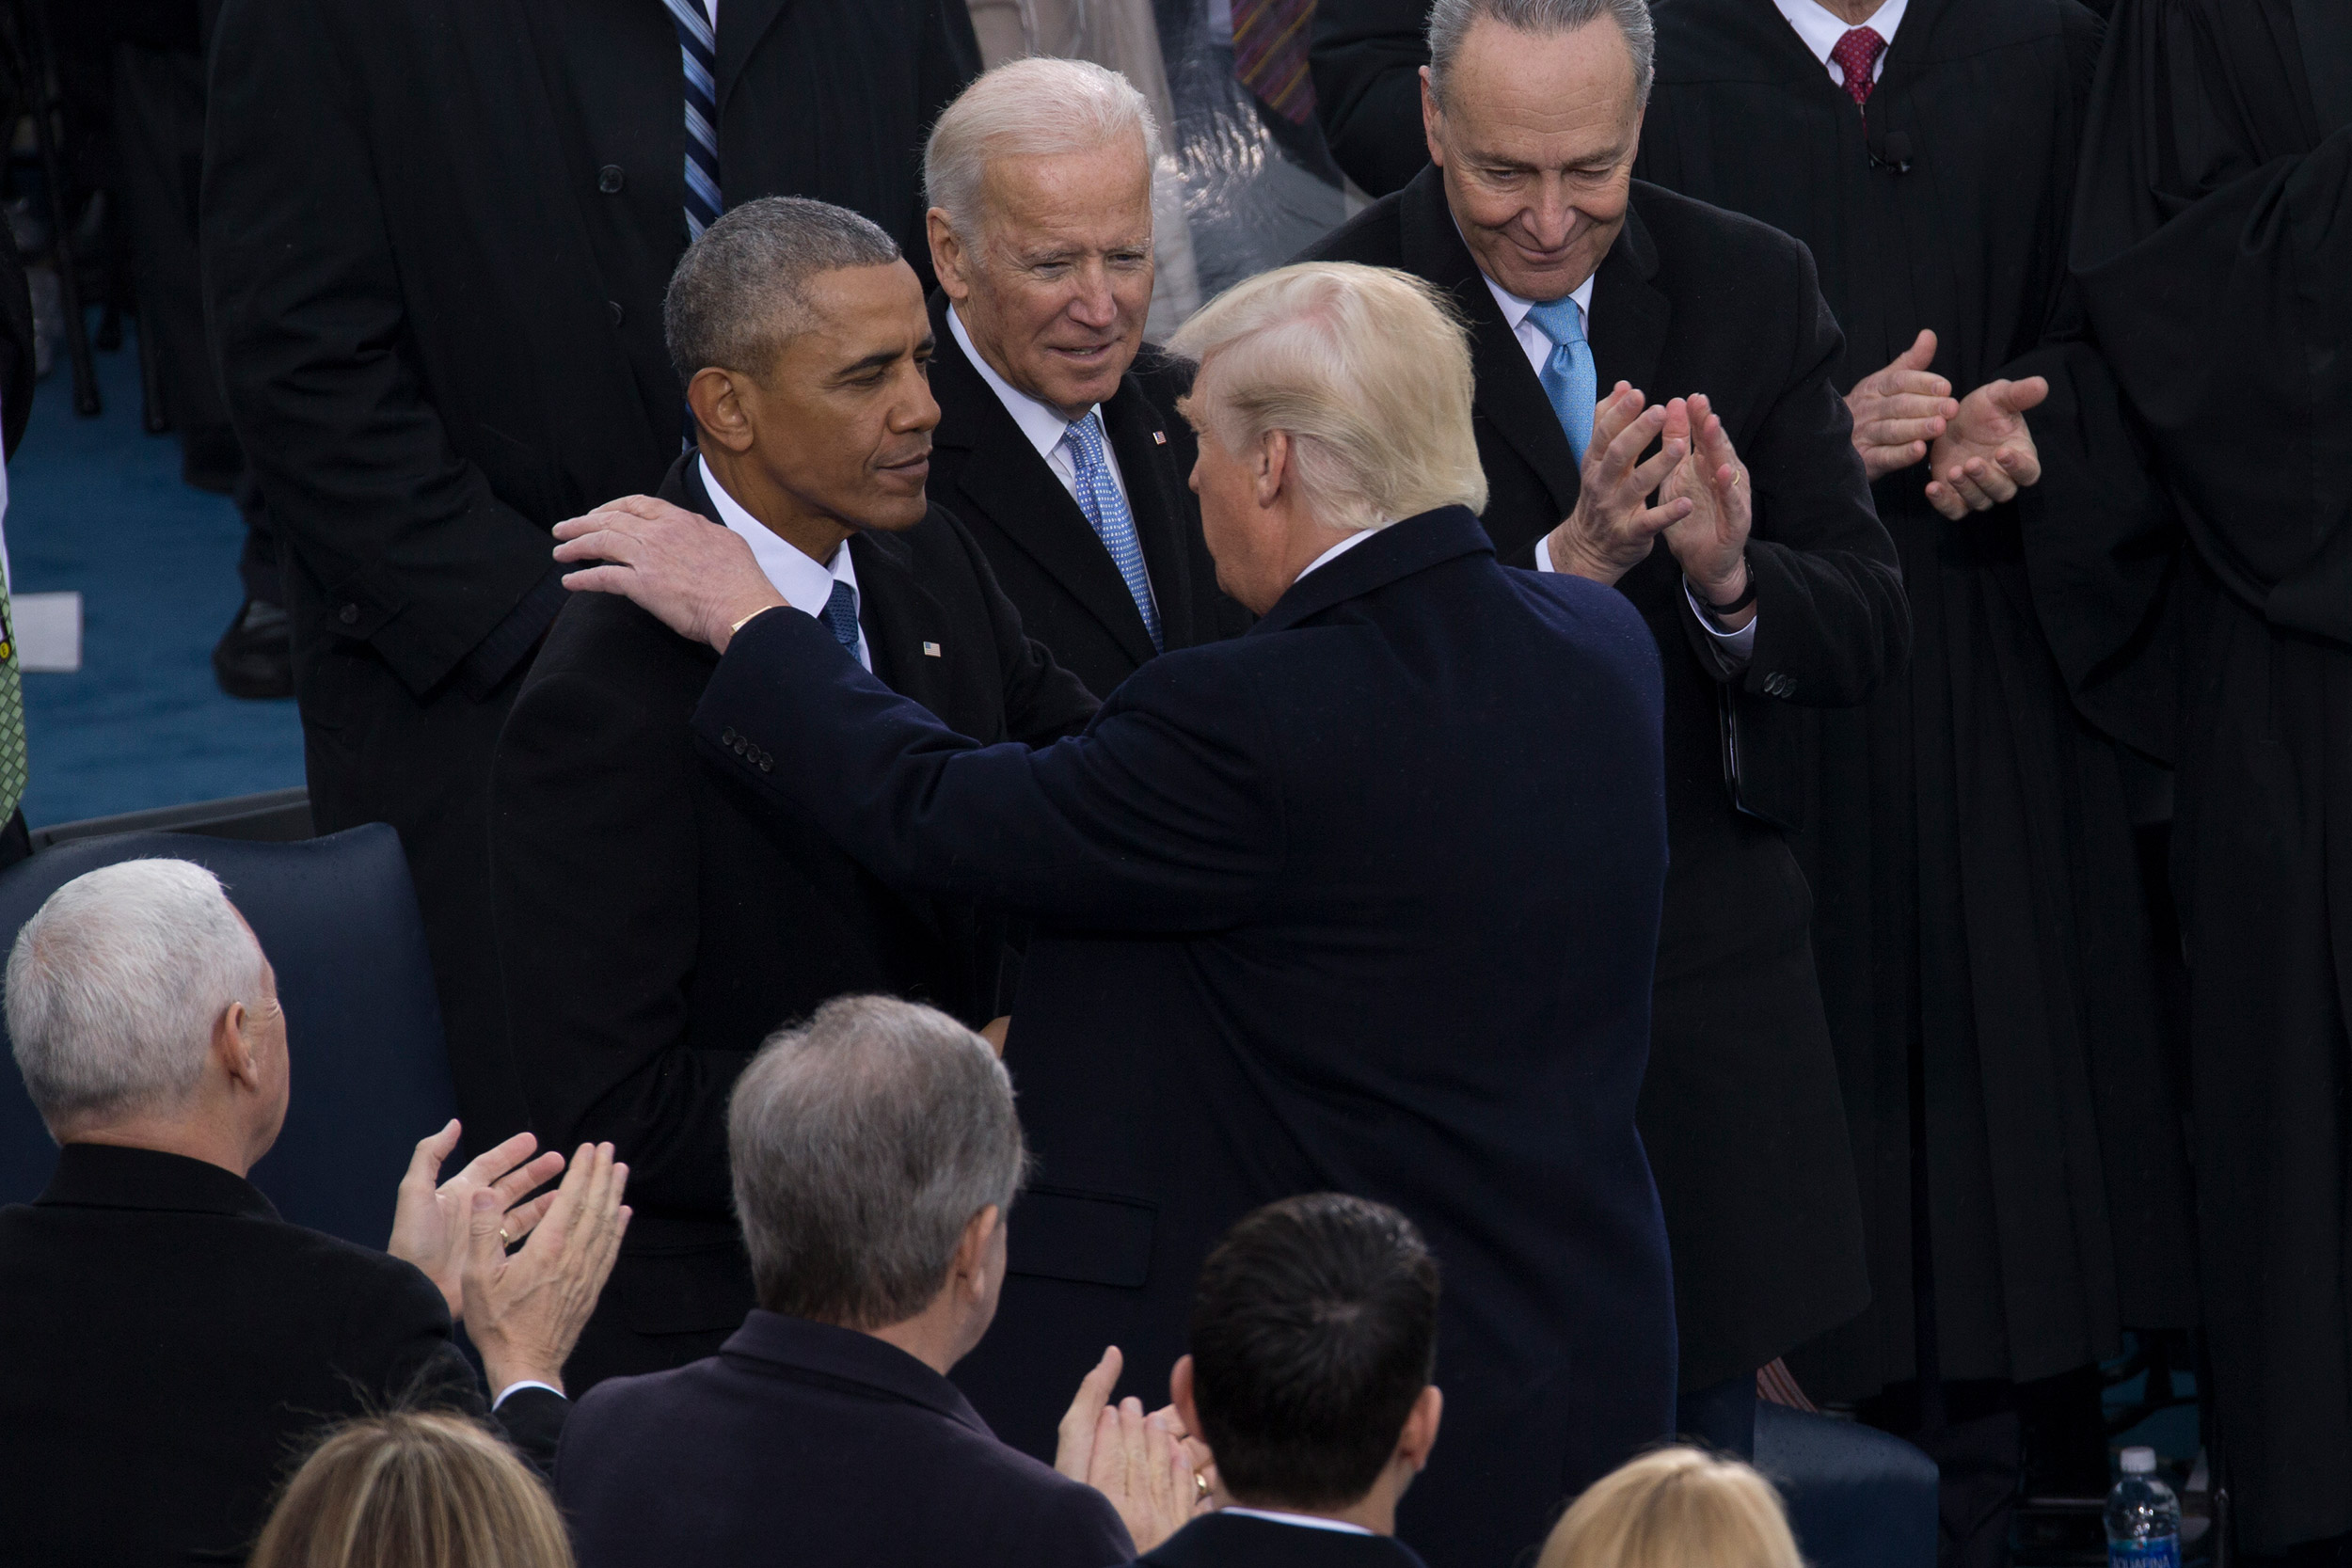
700	46
1106	511
1569	375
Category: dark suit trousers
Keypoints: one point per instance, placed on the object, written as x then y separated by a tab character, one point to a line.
375	753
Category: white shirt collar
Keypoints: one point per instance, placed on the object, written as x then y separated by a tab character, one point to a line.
1305	1521
1041	422
1820	28
806	584
1354	537
1515	309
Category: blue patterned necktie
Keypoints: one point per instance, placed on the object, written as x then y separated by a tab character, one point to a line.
1106	511
699	43
1568	376
840	616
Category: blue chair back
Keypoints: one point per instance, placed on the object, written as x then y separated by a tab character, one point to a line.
1857	1498
337	918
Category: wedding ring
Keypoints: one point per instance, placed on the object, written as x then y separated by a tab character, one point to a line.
505	1240
1199	1487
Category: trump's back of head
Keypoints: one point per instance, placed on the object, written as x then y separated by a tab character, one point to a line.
1366	369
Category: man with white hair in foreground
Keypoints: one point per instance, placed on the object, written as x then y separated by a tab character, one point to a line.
170	1340
1365	900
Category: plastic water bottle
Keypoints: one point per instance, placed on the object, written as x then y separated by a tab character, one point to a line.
2143	1517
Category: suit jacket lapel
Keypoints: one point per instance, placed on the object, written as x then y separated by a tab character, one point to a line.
1009	484
1629	316
1156	499
741	25
1509	397
899	616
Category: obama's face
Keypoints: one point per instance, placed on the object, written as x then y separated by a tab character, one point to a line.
1535	138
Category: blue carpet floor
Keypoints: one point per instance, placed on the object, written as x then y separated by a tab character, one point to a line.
97	505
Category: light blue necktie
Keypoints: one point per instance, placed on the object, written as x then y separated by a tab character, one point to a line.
840	615
1568	377
1106	511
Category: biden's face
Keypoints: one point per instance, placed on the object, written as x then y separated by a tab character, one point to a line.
1535	139
1054	287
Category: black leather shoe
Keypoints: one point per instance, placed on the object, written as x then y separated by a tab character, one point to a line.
254	658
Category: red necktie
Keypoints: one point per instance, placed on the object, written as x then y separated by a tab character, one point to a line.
1270	54
1856	54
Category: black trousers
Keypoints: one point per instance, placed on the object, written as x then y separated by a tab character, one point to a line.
376	753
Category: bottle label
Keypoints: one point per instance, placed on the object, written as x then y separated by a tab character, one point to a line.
2164	1551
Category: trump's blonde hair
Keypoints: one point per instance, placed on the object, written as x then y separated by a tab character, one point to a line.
1676	1507
413	1489
1366	369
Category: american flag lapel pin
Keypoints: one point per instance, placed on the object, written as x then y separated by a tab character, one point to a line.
1159	437
931	650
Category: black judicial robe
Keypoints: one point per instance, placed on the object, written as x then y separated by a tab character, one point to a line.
1978	919
2212	248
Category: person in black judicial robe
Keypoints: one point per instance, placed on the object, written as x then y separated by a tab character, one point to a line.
1366	58
641	977
1741	1108
436	236
2213	236
1979	919
16	407
171	1342
1264	965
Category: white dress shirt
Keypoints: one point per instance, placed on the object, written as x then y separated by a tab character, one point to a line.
1040	422
1354	537
806	584
533	1382
1304	1521
1821	27
1735	647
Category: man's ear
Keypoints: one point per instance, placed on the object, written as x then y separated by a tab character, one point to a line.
948	255
1430	115
717	400
1420	1428
1274	456
230	1051
1180	1395
971	1260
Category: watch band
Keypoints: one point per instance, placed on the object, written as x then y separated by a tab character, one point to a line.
1747	597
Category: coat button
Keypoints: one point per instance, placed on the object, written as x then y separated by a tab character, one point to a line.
610	178
726	736
1778	685
614	306
767	764
349	615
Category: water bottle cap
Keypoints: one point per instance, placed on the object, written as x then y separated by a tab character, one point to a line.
2140	1462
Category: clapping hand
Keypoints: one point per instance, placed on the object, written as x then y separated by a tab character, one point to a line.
1147	1465
1988	453
431	1218
1710	540
699	580
1614	528
1898	410
524	1310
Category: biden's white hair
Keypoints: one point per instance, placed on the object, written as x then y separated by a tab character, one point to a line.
114	986
1366	369
1032	108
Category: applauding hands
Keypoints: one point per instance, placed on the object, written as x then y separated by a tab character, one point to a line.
1703	505
1979	449
1147	1466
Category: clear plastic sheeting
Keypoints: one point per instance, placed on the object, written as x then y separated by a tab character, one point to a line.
1240	188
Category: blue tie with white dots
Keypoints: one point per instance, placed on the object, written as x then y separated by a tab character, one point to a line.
1567	375
1106	511
840	615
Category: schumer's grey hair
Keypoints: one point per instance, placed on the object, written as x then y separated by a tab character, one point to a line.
863	1142
1449	22
741	292
115	985
1033	108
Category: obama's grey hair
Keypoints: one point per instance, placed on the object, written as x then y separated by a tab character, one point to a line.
1449	22
862	1143
741	292
115	985
1032	108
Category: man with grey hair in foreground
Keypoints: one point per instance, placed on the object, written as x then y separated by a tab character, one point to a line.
640	979
1364	901
1058	442
876	1157
170	1340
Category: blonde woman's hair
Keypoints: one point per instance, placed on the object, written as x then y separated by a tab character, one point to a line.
1367	370
413	1490
1676	1507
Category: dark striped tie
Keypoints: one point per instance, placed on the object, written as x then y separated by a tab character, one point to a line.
1270	38
700	46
